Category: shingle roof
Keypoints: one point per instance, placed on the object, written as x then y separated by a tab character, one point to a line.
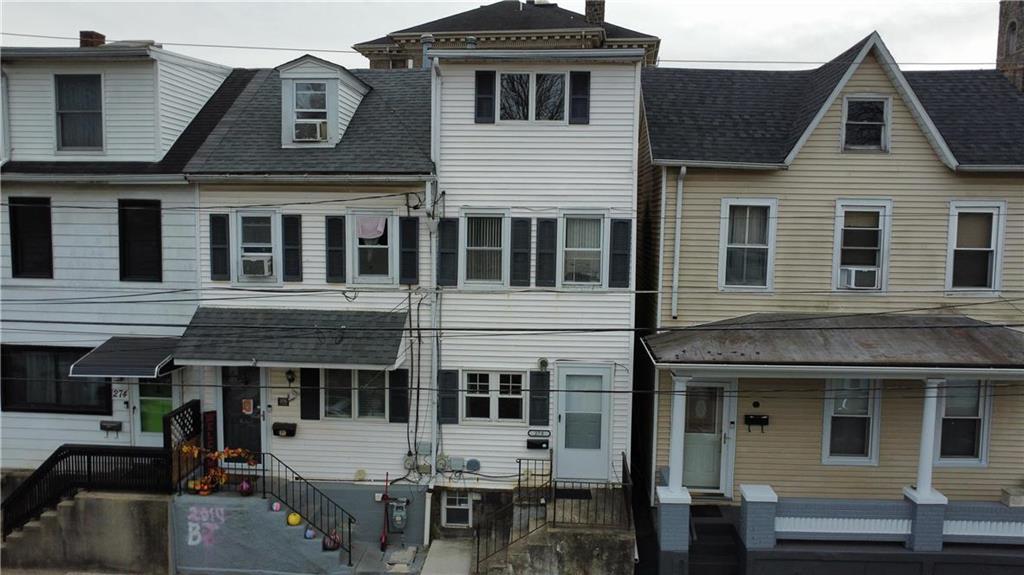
843	339
979	113
174	160
508	15
296	336
389	133
758	116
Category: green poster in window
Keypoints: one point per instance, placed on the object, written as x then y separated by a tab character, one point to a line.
153	411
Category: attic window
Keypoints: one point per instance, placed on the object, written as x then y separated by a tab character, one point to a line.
310	123
866	123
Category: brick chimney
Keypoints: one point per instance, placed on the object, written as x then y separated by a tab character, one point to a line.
595	12
1010	51
90	39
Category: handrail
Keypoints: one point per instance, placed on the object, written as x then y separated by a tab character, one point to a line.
72	467
494	524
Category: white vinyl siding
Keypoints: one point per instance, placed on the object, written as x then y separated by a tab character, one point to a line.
183	89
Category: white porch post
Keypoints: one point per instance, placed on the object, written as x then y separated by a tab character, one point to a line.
928	506
675	454
927	448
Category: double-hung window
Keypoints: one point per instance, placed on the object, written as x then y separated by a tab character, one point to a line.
485	249
851	422
746	238
494	396
861	244
372	244
79	111
866	123
975	232
963	422
515	97
583	250
310	123
37	379
549	97
526	96
362	393
257	238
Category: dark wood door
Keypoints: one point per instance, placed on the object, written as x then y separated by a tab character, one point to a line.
243	416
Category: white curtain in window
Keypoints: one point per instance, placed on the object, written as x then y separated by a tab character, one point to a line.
582	233
748	225
370	228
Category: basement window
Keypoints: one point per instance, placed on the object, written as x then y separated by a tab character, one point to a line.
457	510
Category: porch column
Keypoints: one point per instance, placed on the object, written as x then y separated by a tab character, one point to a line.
674	499
928	506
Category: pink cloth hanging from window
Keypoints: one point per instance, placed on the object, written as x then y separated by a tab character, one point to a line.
369	228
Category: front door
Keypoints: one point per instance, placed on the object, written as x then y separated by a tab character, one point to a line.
153	398
583	404
702	441
243	416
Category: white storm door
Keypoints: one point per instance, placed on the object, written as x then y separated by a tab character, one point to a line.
583	413
702	438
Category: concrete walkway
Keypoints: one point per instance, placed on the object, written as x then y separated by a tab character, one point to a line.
449	557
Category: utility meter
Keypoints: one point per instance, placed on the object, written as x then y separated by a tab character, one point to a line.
398	514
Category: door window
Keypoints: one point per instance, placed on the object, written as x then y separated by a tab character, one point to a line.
154	403
584	410
703	410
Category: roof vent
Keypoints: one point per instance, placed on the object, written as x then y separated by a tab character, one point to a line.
90	39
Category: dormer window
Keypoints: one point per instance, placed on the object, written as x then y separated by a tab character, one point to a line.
866	123
310	112
79	111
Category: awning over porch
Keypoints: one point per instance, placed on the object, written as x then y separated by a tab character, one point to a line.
292	338
139	357
849	340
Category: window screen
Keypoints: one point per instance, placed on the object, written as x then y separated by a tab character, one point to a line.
79	111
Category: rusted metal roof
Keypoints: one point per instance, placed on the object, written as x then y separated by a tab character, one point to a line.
887	340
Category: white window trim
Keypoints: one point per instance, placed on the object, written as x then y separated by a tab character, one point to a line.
288	110
531	116
493	389
886	128
295	111
352	243
884	207
444	511
355	399
57	149
985	409
506	251
236	247
723	242
875	411
605	249
998	210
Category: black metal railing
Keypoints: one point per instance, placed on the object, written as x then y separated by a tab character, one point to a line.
496	531
72	467
605	504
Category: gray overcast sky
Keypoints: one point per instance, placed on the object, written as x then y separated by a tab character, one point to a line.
793	30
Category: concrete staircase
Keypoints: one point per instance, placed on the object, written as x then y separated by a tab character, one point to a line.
716	548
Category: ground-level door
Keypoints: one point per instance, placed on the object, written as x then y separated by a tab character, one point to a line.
242	403
151	399
707	438
582	450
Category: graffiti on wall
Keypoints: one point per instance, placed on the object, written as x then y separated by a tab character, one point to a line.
203	523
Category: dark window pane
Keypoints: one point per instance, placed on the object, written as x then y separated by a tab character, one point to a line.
31	237
856	257
372	392
80	130
139	237
972	269
746	267
510	408
864	135
373	261
515	96
861	238
338	393
79	111
550	99
457	516
960	437
850	437
37	379
478	407
974	230
78	92
865	111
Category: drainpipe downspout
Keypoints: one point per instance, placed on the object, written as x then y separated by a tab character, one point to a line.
677	241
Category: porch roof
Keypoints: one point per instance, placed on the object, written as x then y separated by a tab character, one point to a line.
848	340
292	338
140	357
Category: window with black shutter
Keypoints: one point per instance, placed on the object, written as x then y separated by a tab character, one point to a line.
621	245
409	250
579	97
484	100
547	251
398	396
448	396
291	225
309	393
220	269
31	237
521	251
336	249
448	252
139	236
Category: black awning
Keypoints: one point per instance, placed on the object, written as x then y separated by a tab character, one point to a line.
141	357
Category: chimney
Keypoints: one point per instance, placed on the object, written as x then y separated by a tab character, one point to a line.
427	41
90	39
595	12
470	42
1010	50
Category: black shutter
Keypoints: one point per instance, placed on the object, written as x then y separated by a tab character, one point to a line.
220	270
398	396
409	250
448	252
520	252
579	97
336	249
309	384
291	231
139	240
447	396
31	237
621	246
540	393
547	252
485	96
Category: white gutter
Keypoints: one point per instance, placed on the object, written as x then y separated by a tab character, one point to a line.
853	371
675	250
614	54
96	178
661	247
720	165
260	363
989	168
313	178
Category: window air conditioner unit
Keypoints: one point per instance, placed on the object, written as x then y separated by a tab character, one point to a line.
311	131
858	278
258	266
